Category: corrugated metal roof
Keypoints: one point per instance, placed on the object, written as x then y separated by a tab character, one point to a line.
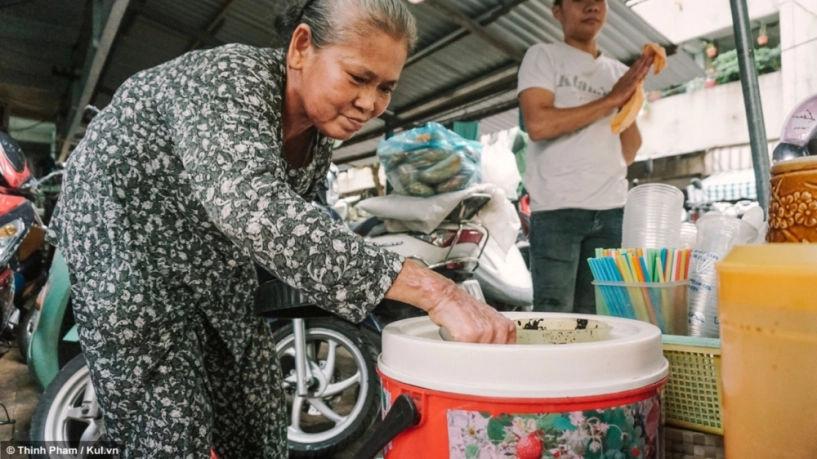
622	38
451	67
146	45
469	111
195	14
529	23
147	41
499	122
35	38
249	21
431	26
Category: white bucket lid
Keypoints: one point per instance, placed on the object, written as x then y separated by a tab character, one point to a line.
631	358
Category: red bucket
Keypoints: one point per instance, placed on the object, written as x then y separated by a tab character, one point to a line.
527	401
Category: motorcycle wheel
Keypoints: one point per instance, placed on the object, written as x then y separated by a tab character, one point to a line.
68	412
344	400
24	332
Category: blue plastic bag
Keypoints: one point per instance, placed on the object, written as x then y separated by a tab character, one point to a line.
430	160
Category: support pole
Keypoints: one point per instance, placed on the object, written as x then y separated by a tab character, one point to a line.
751	98
96	56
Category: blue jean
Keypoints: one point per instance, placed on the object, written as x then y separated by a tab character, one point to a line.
561	241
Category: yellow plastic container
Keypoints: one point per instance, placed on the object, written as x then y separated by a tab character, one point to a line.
768	315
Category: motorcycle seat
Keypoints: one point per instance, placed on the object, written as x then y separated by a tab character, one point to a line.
372	226
277	300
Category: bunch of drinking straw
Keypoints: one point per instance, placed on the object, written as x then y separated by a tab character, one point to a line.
641	265
641	284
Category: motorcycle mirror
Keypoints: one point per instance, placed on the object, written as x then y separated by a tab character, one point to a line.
785	151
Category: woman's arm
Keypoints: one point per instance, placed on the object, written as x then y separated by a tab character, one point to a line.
224	117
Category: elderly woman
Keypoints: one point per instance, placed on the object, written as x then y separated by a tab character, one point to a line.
200	167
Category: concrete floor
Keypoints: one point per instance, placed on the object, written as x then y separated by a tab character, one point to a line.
19	393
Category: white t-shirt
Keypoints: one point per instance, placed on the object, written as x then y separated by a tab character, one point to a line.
584	169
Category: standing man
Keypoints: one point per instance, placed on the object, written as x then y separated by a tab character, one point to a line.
576	167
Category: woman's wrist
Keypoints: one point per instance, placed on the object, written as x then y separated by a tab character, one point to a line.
419	286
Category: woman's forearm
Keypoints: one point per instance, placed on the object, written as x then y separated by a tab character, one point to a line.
419	286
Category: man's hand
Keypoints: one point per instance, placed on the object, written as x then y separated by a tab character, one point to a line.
627	84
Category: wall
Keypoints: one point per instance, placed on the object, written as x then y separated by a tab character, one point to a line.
673	170
28	130
708	118
798	35
682	20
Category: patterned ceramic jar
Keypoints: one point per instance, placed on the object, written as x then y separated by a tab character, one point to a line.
793	203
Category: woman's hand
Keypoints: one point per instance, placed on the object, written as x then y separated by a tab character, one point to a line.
469	320
626	85
466	318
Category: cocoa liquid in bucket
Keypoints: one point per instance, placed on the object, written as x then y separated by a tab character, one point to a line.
555	331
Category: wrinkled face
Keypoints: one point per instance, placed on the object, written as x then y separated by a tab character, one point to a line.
581	19
346	85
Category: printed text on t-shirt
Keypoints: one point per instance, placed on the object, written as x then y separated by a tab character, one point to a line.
573	81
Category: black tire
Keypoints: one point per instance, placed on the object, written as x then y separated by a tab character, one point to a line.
64	388
370	407
24	334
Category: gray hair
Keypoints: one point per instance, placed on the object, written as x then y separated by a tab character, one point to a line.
333	21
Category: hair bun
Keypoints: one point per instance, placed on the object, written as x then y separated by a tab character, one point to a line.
285	21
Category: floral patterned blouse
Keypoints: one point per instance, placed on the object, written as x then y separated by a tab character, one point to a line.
180	183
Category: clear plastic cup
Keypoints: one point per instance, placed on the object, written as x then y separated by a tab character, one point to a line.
651	217
661	304
719	233
689	233
702	298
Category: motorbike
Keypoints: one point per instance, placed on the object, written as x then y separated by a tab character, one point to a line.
503	275
23	256
328	363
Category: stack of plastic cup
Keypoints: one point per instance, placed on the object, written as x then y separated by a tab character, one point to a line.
689	233
717	234
651	217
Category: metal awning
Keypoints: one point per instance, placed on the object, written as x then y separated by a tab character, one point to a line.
724	186
465	66
471	79
732	158
37	42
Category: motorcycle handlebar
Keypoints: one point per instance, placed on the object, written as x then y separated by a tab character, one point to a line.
35	184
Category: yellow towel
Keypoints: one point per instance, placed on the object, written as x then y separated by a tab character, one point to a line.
626	117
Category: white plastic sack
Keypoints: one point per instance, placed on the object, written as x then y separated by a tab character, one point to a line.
499	165
410	213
